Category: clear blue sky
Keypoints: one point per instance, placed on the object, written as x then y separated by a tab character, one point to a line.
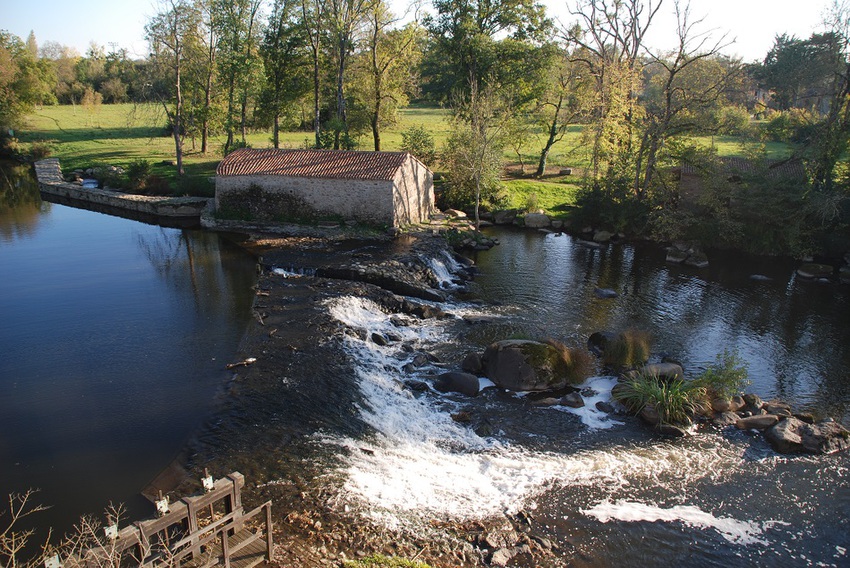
753	23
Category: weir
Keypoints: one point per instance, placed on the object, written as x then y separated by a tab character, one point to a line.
50	181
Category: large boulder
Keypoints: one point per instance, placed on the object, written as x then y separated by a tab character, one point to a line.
791	436
521	365
813	270
537	221
454	381
504	216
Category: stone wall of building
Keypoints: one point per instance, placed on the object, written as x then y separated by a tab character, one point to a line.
413	193
276	198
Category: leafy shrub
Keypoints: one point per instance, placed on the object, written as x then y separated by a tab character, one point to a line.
420	143
734	120
628	349
137	172
196	186
532	203
610	204
726	377
675	401
156	185
235	146
40	150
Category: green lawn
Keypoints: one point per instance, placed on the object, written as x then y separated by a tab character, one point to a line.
118	134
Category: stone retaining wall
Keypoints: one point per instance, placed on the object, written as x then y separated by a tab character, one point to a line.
50	180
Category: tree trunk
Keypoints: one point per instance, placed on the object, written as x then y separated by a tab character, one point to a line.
276	133
340	95
376	113
317	119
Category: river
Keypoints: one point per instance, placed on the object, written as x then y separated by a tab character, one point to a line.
114	336
603	487
113	351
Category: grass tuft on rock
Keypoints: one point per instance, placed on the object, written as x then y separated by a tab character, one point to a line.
675	401
574	364
383	561
629	349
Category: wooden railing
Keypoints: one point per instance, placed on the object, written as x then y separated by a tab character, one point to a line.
199	531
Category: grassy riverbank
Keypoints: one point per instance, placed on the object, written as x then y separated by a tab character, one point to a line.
123	133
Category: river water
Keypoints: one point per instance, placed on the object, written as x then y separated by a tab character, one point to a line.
603	487
114	335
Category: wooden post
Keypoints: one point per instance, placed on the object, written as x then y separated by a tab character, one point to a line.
225	549
269	539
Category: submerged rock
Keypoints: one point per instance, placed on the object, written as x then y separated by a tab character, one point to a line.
605	293
455	381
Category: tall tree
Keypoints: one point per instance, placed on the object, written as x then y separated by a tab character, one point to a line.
313	18
392	56
169	34
474	149
799	73
610	37
237	26
467	36
688	86
285	61
564	102
344	17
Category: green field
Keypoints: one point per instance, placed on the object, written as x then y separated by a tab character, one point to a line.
119	134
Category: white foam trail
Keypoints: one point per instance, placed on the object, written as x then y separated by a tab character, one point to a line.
733	530
591	416
421	464
285	273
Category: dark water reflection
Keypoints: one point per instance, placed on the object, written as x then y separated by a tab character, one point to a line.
794	335
114	335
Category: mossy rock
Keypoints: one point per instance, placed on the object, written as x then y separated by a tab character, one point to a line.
523	365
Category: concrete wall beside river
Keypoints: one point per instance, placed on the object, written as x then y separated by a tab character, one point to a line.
50	181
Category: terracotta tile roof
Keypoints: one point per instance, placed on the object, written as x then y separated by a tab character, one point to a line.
328	164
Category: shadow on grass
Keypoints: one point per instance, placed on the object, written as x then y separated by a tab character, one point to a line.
91	134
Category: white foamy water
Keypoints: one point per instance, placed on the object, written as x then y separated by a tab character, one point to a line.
589	414
733	530
441	273
421	464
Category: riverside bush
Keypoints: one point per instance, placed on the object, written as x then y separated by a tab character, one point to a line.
675	401
726	377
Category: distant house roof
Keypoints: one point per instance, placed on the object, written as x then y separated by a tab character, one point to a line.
791	168
327	164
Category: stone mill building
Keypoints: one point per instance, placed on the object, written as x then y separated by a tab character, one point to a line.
392	188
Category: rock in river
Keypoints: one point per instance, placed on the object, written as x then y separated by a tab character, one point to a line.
454	381
793	436
521	365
